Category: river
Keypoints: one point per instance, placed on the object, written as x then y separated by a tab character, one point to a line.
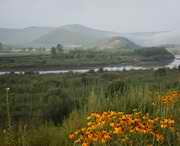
175	64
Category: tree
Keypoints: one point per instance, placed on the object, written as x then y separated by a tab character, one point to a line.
1	46
59	105
59	48
53	51
179	68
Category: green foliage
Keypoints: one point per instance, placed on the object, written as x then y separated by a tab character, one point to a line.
53	51
58	105
1	46
56	50
160	72
152	51
59	48
117	89
59	58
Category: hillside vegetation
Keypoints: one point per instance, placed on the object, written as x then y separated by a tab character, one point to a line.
116	43
73	35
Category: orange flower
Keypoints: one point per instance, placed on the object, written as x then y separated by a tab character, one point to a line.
85	144
170	98
72	136
102	126
118	130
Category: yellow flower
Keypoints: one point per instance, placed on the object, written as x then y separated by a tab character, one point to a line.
167	123
159	137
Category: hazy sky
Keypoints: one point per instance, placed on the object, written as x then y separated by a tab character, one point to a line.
115	15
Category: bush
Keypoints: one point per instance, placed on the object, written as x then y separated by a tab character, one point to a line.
116	89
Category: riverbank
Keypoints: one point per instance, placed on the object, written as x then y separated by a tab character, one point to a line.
83	69
87	59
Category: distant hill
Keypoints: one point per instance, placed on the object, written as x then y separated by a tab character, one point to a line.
20	37
76	35
72	36
116	43
162	38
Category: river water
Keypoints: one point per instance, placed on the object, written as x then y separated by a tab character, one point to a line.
175	64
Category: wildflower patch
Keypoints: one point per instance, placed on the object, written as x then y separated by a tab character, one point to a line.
104	127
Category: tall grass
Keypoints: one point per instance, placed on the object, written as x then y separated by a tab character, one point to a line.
91	92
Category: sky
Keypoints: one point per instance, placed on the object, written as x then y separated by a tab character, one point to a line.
112	15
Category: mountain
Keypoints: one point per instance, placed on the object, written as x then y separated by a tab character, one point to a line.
20	37
162	38
74	35
68	35
116	43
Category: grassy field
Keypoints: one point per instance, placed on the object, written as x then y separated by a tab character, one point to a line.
51	110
